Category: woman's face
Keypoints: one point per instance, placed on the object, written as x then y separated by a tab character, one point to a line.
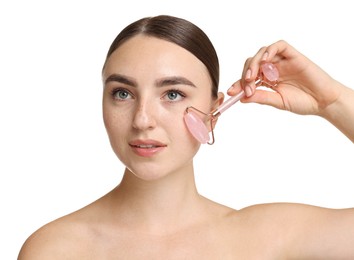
148	84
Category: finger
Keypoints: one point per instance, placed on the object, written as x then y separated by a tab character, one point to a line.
278	51
251	72
235	88
253	64
273	53
266	97
246	78
247	81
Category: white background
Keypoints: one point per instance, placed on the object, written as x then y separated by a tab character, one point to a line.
54	153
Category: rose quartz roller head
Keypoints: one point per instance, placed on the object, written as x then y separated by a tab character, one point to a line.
268	76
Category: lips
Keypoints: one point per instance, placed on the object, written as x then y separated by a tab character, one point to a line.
147	148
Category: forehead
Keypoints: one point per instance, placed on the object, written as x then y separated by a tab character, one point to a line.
145	54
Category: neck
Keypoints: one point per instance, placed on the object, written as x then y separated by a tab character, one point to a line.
157	204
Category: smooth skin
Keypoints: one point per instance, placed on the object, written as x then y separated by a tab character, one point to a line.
156	211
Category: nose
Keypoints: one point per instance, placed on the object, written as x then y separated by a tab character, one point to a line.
144	117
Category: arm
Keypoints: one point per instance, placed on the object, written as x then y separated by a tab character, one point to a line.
303	87
319	233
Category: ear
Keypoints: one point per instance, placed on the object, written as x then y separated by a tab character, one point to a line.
215	104
219	100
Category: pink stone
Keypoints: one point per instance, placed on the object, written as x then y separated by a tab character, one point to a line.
270	71
196	127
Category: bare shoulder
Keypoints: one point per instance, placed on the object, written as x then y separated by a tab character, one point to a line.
68	237
265	222
275	229
281	215
54	240
300	231
277	208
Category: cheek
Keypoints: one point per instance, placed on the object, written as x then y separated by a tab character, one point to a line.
108	119
182	144
115	123
181	135
116	127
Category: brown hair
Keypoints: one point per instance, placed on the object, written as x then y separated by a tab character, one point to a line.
178	31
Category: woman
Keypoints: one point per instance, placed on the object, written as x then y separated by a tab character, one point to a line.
154	70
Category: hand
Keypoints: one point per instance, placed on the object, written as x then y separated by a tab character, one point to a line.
303	87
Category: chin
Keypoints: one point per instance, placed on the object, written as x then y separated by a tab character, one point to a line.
147	174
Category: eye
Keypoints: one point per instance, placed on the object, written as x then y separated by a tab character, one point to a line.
121	94
174	95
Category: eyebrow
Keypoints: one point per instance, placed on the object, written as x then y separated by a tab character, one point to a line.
175	80
121	79
167	81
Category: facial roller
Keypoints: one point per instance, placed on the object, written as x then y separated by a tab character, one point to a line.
268	76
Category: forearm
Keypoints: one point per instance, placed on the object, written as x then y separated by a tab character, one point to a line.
341	112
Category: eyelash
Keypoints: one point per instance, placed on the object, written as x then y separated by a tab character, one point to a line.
116	90
182	94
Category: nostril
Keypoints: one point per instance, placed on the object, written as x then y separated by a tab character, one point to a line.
143	119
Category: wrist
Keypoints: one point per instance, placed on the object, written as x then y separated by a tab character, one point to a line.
341	112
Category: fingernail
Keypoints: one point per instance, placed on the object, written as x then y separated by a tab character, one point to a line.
231	88
248	74
248	91
265	56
